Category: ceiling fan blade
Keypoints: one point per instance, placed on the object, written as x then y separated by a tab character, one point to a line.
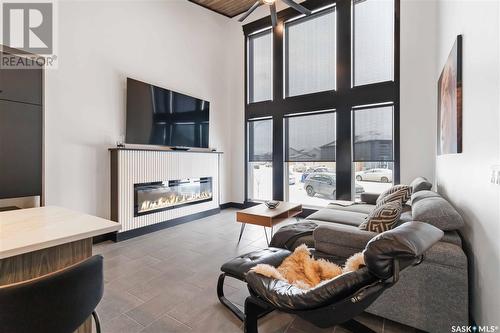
274	16
297	7
250	11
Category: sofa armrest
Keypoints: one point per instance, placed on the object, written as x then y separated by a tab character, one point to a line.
369	198
341	240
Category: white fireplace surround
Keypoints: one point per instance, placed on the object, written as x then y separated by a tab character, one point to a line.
131	166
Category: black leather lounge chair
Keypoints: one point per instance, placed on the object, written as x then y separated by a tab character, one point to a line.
338	301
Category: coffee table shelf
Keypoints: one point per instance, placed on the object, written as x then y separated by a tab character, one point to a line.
263	216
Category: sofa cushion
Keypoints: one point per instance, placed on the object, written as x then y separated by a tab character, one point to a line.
340	240
404	191
338	216
383	218
369	197
424	194
437	211
420	184
357	208
406	216
453	237
446	254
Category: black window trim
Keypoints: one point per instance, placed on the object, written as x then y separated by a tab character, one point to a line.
343	100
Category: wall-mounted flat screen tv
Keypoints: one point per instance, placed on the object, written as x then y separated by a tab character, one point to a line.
159	116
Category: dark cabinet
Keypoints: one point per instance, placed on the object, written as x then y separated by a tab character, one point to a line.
20	149
21	85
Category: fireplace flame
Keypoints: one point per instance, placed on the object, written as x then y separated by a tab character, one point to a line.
173	200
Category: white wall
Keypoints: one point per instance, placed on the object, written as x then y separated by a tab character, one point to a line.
464	178
174	44
237	119
417	89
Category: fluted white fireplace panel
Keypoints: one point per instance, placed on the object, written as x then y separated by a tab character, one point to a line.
142	166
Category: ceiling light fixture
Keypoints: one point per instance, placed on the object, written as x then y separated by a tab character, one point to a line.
272	7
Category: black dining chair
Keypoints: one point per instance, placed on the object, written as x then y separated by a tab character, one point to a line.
58	302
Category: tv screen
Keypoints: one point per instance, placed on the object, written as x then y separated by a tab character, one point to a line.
158	116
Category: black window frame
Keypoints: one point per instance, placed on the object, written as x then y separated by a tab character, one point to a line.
343	100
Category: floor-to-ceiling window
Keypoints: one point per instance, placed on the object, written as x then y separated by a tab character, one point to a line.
322	102
310	147
373	148
260	159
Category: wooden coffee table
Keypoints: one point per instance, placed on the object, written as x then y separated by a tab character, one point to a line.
266	217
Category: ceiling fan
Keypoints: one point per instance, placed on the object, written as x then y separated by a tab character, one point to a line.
272	7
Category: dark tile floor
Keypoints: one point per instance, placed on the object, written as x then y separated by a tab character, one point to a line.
166	282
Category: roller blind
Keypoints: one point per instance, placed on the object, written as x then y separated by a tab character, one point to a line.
260	140
310	45
373	134
311	138
260	66
373	34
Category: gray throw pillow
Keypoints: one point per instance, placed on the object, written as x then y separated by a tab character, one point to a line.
403	191
420	184
421	195
383	218
437	211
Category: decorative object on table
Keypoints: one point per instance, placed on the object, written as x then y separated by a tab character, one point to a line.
450	103
272	204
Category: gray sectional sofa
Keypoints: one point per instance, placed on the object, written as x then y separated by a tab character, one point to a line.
431	296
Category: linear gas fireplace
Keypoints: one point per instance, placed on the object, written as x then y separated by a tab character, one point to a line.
158	196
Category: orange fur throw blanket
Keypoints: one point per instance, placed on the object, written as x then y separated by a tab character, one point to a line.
305	272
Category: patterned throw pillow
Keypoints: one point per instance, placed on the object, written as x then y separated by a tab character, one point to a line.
383	218
404	192
396	196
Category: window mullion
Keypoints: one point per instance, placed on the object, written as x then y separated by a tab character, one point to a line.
344	166
278	158
278	63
